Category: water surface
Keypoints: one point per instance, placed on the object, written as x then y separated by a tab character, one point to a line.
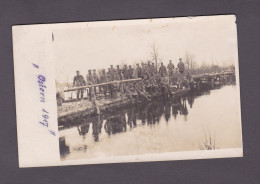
198	121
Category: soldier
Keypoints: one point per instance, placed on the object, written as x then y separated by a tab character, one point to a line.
165	85
116	77
170	68
146	82
112	69
89	78
162	70
130	72
181	66
130	91
110	77
114	87
103	79
149	68
79	81
89	82
158	78
139	87
138	71
110	74
119	72
125	72
153	84
95	79
153	69
173	79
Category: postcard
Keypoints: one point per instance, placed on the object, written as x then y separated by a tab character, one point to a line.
140	90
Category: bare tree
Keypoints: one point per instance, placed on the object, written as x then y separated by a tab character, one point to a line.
189	61
155	55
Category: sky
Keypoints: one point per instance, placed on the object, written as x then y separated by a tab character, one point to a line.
96	45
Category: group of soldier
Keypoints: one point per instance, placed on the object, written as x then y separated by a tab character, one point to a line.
152	81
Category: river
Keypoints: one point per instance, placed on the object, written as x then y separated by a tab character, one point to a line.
199	121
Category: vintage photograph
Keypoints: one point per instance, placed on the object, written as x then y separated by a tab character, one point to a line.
148	86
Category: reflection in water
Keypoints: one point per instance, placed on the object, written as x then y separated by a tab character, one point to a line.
115	123
117	126
83	129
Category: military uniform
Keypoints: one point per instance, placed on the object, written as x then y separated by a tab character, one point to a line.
89	82
79	81
89	79
139	72
170	68
95	79
125	72
165	85
103	79
181	67
119	72
130	72
130	91
141	90
162	70
153	85
173	79
153	69
149	69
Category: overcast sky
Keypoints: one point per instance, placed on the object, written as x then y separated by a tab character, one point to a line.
95	45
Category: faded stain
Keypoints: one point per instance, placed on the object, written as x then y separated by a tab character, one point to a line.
113	28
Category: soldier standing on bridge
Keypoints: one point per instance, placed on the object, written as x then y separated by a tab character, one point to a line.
138	71
181	66
95	79
130	72
112	69
153	69
79	81
140	89
119	72
125	72
130	91
170	68
162	70
165	85
89	82
149	68
103	79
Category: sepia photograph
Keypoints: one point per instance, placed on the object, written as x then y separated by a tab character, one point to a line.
147	86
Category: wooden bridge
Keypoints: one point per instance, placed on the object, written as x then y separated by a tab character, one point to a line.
198	80
82	109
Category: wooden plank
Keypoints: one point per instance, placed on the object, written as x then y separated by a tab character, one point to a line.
102	84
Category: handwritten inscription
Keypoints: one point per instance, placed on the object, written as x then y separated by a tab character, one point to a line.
41	82
44	120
